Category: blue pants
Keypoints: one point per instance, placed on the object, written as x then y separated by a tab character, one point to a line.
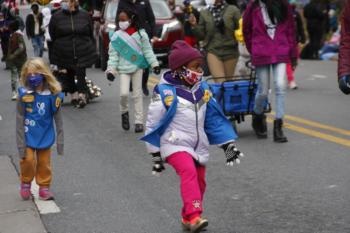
264	73
38	45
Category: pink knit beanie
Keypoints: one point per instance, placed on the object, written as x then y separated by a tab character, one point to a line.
181	54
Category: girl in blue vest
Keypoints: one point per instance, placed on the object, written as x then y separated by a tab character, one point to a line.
38	106
129	53
183	119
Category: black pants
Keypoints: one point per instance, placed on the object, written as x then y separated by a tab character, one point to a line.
145	76
4	46
68	81
311	50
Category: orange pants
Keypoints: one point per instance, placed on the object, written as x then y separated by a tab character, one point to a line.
37	163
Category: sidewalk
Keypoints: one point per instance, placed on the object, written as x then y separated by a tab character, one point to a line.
16	216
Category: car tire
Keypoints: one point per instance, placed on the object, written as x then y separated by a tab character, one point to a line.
103	56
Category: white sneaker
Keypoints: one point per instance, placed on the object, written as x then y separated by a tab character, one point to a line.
293	85
14	95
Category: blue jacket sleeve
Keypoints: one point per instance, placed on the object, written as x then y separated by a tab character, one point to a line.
219	130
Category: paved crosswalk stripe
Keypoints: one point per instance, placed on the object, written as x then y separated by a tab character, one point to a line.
44	207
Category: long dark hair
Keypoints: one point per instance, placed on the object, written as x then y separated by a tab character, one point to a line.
276	9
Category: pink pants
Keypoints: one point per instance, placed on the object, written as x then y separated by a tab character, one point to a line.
192	177
290	73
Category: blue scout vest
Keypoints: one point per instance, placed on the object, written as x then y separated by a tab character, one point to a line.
38	117
120	44
218	129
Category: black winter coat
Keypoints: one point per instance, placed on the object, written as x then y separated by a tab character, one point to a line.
73	43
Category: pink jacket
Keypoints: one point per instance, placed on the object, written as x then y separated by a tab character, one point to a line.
263	49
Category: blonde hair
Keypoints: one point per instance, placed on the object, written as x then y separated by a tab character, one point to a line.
38	66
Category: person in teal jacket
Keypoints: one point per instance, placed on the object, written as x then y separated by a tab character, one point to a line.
129	53
183	119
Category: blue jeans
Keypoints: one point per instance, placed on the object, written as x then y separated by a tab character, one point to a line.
38	45
264	73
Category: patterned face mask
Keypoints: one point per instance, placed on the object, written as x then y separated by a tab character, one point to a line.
190	76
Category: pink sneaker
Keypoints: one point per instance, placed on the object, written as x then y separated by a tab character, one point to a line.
45	194
25	191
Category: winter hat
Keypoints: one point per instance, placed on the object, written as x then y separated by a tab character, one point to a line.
34	4
181	54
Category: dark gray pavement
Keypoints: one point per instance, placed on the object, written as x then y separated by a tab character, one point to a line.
103	183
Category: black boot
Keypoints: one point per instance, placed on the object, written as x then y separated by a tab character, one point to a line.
138	128
125	121
259	125
278	135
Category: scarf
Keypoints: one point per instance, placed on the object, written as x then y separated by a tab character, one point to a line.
217	12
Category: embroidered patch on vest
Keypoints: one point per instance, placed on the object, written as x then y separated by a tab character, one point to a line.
28	98
206	96
133	57
168	100
58	102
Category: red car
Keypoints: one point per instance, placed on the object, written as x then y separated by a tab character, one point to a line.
168	29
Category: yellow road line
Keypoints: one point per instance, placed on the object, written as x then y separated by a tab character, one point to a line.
314	133
316	124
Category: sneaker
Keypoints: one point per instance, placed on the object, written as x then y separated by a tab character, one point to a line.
25	191
186	225
198	224
45	194
82	100
74	99
14	95
138	128
293	85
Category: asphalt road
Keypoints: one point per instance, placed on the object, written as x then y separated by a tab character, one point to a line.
103	183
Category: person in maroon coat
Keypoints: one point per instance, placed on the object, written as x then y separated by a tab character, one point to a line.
344	52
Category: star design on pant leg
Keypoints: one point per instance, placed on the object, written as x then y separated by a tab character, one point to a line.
196	204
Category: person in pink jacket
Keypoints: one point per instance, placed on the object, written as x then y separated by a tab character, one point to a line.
269	34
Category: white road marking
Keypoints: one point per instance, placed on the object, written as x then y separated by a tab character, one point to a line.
44	207
318	76
0	118
332	186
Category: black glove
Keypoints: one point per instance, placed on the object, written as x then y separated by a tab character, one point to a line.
158	165
110	76
232	154
156	70
344	84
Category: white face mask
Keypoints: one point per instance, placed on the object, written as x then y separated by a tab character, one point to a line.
210	2
123	25
65	6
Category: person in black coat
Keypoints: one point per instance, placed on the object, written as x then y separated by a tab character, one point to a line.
316	14
145	13
73	47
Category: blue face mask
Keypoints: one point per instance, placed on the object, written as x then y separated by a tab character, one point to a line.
35	80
